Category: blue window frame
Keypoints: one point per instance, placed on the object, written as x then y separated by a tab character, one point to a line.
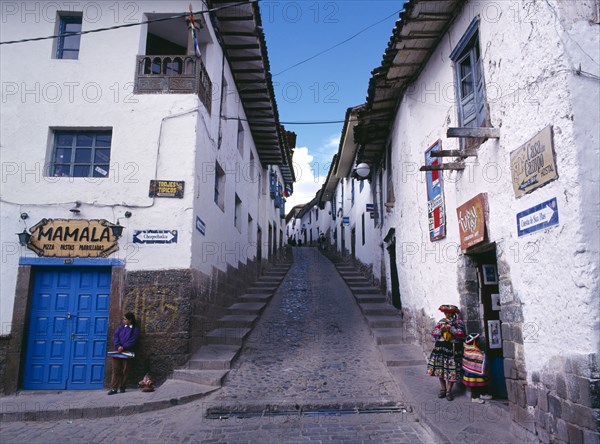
68	45
81	153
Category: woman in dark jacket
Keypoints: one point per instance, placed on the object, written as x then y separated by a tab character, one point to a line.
124	339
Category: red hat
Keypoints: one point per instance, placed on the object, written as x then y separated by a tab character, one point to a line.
447	308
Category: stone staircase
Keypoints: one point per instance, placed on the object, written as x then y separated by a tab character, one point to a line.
387	328
209	365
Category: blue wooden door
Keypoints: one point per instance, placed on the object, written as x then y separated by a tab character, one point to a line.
68	328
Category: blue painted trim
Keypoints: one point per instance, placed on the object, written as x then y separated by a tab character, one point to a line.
75	262
465	39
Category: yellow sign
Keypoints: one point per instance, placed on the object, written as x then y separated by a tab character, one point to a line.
533	164
73	238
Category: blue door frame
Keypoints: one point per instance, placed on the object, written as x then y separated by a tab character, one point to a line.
68	328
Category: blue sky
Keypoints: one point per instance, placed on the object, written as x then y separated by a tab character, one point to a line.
324	87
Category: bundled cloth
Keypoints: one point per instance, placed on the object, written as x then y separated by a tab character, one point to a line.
146	384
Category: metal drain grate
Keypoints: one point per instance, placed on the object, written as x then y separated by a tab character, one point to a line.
226	413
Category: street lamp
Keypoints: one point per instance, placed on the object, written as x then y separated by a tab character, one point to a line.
362	170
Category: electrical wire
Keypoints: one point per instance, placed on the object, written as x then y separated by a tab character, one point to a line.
337	44
128	25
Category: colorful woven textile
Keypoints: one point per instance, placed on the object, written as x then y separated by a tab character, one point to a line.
473	360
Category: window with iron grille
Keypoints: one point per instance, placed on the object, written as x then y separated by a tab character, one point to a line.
67	46
81	153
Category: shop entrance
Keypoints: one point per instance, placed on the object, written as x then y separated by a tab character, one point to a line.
68	328
489	297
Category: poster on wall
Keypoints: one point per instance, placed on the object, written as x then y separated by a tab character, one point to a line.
495	302
495	334
436	209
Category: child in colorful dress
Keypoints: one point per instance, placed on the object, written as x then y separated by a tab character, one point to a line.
474	369
445	361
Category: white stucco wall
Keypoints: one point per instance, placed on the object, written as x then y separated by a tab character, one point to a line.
553	272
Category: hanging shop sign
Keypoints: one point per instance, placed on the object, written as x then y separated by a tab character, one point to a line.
155	237
436	210
533	164
73	238
166	188
536	218
472	221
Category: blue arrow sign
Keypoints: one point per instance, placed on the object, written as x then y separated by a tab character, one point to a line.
537	218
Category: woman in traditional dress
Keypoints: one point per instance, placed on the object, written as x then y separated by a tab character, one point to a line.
445	361
474	369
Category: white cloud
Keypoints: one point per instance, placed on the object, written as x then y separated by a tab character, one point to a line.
308	180
333	142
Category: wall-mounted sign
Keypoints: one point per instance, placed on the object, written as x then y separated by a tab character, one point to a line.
537	218
155	237
73	238
200	226
471	221
346	220
533	164
436	210
166	188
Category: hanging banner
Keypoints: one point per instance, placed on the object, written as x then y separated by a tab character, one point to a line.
533	164
471	221
436	209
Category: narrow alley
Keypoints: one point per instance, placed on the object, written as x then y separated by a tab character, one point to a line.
309	372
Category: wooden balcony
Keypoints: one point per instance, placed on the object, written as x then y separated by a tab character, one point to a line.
173	75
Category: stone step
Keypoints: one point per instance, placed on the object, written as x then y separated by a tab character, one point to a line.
389	336
370	298
214	357
246	308
400	355
236	321
213	378
363	290
354	278
227	335
345	268
262	289
375	321
379	309
269	280
361	283
255	297
275	274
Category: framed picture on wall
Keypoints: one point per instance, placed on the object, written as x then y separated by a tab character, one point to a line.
490	276
495	302
495	334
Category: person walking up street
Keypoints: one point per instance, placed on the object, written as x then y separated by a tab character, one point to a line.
125	338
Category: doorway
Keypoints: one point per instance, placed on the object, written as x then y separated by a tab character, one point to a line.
396	300
68	329
489	298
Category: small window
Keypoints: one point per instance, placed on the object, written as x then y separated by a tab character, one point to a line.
219	186
363	228
81	154
67	46
240	138
237	218
471	107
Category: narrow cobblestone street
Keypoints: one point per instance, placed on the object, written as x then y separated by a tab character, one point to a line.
310	351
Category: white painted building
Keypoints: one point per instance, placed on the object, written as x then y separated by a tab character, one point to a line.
131	127
507	227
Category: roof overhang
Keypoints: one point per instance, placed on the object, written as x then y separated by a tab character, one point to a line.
417	33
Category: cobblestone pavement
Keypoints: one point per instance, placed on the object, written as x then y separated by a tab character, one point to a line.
311	350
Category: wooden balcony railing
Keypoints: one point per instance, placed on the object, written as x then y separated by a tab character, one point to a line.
173	75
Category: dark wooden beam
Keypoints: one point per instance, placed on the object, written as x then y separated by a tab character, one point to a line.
248	70
454	166
254	58
453	153
235	18
242	46
483	133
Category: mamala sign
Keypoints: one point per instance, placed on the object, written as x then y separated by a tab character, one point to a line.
73	238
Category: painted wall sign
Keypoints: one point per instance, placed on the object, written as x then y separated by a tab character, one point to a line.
346	220
436	210
155	237
200	226
73	238
166	188
536	218
471	221
533	164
